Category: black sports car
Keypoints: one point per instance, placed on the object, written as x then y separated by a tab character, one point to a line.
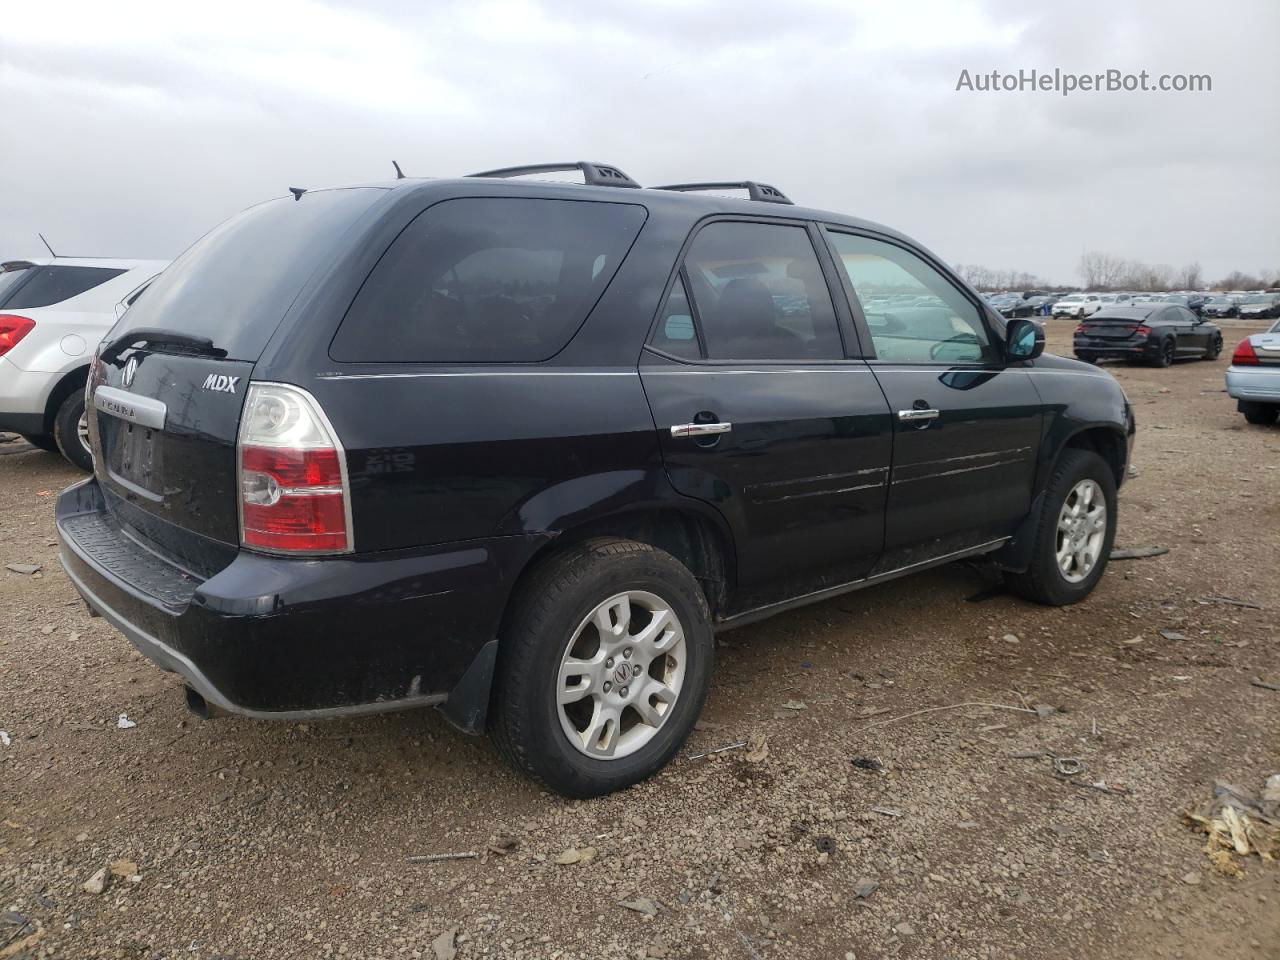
1158	333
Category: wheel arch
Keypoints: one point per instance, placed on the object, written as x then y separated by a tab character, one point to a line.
71	381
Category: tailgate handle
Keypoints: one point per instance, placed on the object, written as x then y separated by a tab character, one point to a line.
700	429
145	411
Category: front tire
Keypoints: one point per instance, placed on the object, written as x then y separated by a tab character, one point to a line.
563	712
1214	348
1075	534
71	433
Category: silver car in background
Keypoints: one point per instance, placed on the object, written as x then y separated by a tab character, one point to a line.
1254	376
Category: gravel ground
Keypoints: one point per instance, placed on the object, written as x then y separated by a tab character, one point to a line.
251	840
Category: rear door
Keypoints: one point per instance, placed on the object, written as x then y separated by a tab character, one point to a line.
166	392
966	425
761	411
1193	336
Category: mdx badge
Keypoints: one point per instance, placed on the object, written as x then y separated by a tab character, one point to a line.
220	383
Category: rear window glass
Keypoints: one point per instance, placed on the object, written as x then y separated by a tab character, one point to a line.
45	286
235	284
488	279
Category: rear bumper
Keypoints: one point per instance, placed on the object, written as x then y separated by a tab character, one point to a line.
287	638
23	396
1094	348
1261	384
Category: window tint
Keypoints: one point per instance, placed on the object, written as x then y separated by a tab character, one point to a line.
488	279
676	334
235	284
915	314
760	294
45	286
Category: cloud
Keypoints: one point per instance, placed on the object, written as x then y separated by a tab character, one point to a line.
131	128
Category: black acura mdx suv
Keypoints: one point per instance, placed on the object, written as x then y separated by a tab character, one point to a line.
516	449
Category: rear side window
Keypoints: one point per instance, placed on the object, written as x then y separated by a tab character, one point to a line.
758	293
45	286
235	284
488	279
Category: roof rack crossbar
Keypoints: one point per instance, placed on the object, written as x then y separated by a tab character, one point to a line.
593	174
755	191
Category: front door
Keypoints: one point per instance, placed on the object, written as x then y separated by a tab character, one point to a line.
761	413
966	425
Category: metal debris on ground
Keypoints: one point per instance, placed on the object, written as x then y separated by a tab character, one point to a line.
736	745
641	905
441	857
1138	553
24	568
825	844
1259	682
1064	766
1239	821
1230	602
887	811
867	763
5	739
124	723
953	706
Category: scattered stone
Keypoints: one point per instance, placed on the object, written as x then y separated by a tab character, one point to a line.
905	930
887	811
867	763
5	739
96	883
575	855
1044	711
124	868
967	825
1010	638
24	568
81	837
757	748
124	723
445	945
1098	856
794	705
865	887
1172	635
1191	879
641	905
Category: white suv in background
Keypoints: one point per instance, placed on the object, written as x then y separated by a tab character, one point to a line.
1078	305
53	313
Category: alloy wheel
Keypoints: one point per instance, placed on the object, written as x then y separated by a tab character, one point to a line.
1082	529
620	675
82	432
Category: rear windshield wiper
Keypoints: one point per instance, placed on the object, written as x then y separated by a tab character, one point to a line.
171	340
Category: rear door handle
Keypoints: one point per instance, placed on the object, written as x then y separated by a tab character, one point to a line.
700	429
926	414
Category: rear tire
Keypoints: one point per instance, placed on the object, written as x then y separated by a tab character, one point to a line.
1045	580
540	719
68	432
1168	351
1261	414
41	441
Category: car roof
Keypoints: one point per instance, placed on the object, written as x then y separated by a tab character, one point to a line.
1137	312
111	263
698	204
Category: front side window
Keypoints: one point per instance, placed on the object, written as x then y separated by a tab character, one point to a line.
759	294
488	279
914	313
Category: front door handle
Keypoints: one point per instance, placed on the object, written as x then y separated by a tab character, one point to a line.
700	429
924	414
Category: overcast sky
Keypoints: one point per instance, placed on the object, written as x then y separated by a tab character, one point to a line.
129	129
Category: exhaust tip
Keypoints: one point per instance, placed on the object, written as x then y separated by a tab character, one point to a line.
197	704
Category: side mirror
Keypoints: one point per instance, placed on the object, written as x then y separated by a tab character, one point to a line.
1024	339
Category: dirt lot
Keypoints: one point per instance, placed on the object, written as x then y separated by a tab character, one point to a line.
255	840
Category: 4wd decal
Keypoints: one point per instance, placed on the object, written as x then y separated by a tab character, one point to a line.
220	383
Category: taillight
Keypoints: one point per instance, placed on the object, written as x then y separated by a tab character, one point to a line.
1142	330
1081	328
294	494
1244	355
12	330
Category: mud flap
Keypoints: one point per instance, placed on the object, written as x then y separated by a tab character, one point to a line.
468	705
1015	556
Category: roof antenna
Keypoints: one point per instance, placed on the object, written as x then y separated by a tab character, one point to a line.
399	172
297	192
46	245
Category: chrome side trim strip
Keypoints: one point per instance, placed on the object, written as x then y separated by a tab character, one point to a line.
145	411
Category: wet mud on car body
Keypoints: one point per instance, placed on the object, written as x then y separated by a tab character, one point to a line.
634	416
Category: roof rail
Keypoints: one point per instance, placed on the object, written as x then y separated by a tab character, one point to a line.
593	174
755	191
